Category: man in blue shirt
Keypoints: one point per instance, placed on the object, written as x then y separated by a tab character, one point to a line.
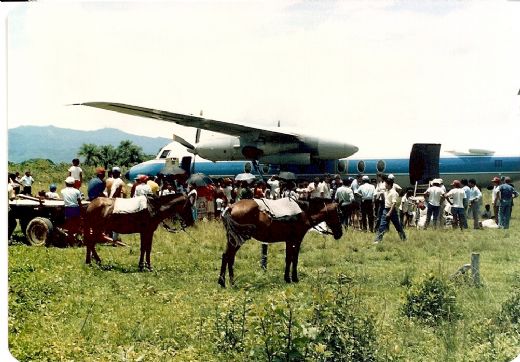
96	185
506	193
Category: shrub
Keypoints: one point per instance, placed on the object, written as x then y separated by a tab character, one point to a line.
432	300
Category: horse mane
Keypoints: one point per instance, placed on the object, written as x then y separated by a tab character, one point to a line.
313	205
155	202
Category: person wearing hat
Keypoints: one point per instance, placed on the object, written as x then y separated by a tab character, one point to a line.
456	198
141	186
506	194
494	200
52	194
366	194
71	200
96	186
433	196
475	199
390	213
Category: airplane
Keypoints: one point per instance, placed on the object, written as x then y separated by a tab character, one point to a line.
259	149
266	151
427	161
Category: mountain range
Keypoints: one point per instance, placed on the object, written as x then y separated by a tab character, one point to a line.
62	144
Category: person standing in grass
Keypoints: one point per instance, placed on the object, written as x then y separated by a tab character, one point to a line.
506	194
390	213
456	198
475	198
494	198
434	197
71	200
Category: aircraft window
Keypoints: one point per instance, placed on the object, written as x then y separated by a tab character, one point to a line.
247	167
361	166
342	166
381	165
164	154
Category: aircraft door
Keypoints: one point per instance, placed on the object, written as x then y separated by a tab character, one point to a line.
424	162
186	164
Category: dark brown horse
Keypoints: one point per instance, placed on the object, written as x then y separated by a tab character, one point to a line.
100	217
244	220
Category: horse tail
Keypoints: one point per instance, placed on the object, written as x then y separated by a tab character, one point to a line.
238	232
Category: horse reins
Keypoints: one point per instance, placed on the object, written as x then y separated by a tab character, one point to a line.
319	228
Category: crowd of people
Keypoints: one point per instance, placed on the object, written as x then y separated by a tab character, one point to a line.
365	204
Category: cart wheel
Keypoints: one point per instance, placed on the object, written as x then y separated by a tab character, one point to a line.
39	231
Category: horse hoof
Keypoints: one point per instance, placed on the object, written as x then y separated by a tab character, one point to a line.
287	279
222	282
295	280
141	267
149	268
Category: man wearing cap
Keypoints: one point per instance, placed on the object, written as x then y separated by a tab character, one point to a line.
456	198
494	199
434	197
96	185
71	200
52	194
141	187
366	193
390	213
506	194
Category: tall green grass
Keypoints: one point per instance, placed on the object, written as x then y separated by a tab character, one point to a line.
60	309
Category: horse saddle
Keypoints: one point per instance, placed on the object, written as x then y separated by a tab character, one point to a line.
281	209
130	206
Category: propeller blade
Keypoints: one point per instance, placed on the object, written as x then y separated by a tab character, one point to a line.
183	142
197	136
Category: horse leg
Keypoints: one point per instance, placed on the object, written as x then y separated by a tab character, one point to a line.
296	253
263	261
231	262
143	251
288	259
88	243
223	265
148	250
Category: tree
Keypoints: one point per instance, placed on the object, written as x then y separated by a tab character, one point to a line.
91	154
129	154
108	156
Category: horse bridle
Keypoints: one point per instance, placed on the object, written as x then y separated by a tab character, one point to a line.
319	228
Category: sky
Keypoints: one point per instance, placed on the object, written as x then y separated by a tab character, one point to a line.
378	74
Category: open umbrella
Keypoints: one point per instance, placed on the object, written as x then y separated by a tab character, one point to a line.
245	177
172	170
288	176
199	179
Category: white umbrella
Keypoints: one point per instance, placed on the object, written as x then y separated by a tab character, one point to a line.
245	177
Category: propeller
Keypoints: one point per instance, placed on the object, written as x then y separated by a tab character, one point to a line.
183	142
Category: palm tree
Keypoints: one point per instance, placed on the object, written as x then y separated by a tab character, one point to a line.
129	154
90	152
107	156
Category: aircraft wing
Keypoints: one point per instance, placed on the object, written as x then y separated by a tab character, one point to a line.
228	128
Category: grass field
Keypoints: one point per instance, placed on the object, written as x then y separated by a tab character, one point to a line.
349	304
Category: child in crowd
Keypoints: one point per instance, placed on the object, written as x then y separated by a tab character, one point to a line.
76	172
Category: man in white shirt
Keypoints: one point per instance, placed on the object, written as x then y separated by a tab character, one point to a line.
494	198
71	200
26	181
314	189
434	197
366	192
344	197
475	198
274	185
456	198
390	213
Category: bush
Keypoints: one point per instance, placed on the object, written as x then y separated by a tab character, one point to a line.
432	300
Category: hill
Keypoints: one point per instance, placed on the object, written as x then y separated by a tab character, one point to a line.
62	144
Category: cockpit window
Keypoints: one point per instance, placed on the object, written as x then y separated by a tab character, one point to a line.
164	154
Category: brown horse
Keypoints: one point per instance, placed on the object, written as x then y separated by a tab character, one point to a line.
244	220
100	217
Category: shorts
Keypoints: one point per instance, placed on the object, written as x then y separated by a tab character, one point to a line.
72	212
